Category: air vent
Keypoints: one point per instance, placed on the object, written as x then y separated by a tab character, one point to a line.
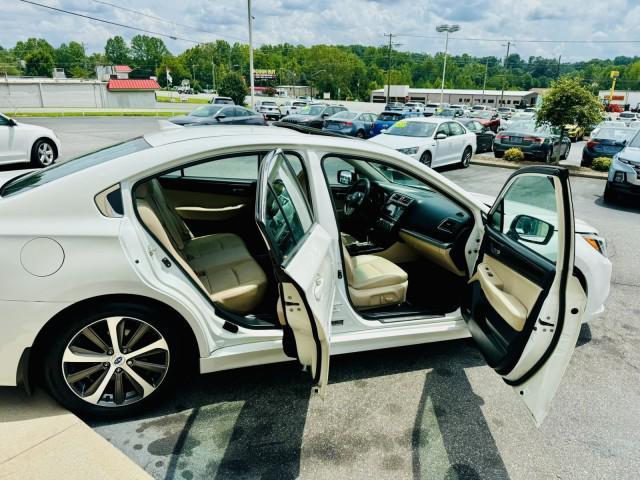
448	225
401	199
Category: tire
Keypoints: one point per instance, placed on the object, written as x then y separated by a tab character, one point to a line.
565	155
426	159
43	153
78	387
609	196
498	154
360	134
466	157
548	157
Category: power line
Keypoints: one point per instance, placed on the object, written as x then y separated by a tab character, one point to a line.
473	39
165	20
68	12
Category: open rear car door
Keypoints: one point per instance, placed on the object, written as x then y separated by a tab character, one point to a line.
303	262
523	305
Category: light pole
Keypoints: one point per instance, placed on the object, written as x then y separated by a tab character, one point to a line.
251	51
504	68
448	29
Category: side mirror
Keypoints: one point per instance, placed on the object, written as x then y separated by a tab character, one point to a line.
11	122
220	116
441	136
530	229
346	177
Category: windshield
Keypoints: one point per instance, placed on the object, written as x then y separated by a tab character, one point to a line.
314	110
522	116
635	142
447	112
481	114
389	116
344	116
617	134
627	115
205	111
270	104
432	105
527	127
58	170
412	129
299	104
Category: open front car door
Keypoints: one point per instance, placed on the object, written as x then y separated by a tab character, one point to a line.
303	262
524	306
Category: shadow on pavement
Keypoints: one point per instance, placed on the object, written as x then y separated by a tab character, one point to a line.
249	423
622	204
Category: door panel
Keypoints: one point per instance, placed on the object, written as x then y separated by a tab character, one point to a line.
523	306
301	252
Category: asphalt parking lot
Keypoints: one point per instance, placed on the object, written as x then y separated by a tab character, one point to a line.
431	412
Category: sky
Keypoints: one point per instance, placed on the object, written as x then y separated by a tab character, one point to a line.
310	22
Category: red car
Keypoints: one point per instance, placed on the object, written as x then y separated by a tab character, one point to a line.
488	118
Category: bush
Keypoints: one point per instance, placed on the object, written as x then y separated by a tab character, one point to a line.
514	155
601	164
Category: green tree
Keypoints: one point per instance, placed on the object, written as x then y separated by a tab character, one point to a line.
177	71
8	63
39	63
117	51
72	58
147	54
23	49
234	86
569	102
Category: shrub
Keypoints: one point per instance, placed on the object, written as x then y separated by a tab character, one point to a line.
514	155
601	164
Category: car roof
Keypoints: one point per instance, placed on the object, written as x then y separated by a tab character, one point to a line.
429	119
175	133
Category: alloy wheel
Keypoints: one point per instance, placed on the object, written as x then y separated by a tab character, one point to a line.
466	158
115	361
45	154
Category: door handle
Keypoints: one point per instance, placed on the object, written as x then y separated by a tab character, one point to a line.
317	289
495	250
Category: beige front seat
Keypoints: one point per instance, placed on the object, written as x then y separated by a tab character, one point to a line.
374	281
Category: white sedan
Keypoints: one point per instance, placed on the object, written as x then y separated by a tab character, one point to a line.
434	141
223	247
22	142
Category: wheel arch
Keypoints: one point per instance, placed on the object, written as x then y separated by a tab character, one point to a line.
37	349
50	140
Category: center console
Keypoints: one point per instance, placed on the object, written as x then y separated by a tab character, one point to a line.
392	212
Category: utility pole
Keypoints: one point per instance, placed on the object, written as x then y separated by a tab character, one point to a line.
390	35
484	82
559	62
504	75
213	74
251	51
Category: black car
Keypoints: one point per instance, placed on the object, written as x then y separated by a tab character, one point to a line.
540	143
484	135
220	115
314	115
606	143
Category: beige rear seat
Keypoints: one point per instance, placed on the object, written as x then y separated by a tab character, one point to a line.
219	263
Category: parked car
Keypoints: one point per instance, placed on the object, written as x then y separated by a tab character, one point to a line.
215	252
540	143
606	143
449	112
506	112
480	107
484	135
356	124
394	107
413	107
487	118
463	108
609	124
431	109
270	110
222	101
388	118
628	117
23	142
292	107
434	141
624	173
219	115
314	115
518	117
574	132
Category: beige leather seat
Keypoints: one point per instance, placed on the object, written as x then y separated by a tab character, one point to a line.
220	263
374	281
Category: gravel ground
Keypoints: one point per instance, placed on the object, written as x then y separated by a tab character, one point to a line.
433	411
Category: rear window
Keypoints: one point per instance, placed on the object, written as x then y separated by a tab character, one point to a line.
58	170
389	116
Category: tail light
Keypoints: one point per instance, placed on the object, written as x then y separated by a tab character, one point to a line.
592	143
501	136
534	139
347	124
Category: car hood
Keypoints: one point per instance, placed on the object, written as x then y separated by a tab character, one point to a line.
30	127
398	141
631	153
580	225
187	120
302	118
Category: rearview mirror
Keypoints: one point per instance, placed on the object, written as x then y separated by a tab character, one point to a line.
441	136
530	229
346	177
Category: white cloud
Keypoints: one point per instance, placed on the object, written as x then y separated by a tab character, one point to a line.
346	22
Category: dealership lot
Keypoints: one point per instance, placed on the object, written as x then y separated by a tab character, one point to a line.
433	411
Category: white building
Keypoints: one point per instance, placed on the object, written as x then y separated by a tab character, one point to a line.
405	93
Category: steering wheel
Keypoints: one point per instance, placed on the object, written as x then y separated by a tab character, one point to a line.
358	193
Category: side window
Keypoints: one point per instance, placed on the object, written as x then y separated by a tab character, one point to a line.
477	127
301	174
3	121
239	112
456	129
242	167
443	128
331	167
528	214
286	214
